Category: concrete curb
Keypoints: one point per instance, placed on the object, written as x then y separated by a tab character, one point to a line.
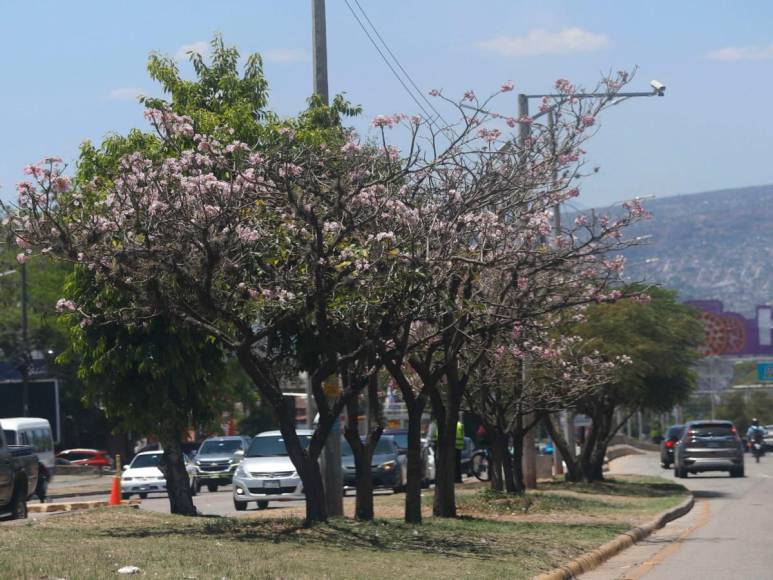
45	508
594	559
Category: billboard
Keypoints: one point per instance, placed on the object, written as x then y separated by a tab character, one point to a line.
730	333
43	402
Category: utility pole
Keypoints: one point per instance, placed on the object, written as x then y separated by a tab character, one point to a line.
331	453
25	348
319	44
529	451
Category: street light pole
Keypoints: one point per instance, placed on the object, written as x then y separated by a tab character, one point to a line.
25	385
524	130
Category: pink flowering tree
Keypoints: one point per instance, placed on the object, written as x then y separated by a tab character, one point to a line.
306	254
484	238
522	379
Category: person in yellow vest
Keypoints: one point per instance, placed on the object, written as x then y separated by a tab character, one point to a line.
459	446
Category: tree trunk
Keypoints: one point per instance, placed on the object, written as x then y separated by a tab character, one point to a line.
507	468
499	456
363	455
572	465
177	483
595	446
307	464
414	460
517	433
444	505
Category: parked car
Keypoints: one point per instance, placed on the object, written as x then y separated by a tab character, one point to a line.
388	465
266	472
36	433
90	457
217	458
709	446
400	437
673	434
143	475
18	478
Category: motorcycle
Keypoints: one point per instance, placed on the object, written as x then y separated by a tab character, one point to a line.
757	449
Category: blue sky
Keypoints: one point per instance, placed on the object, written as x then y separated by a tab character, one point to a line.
71	71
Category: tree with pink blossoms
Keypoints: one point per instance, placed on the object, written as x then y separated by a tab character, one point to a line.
304	253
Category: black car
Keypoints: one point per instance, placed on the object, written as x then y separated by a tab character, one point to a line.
673	435
388	467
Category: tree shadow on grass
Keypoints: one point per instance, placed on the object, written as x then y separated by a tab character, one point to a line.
381	535
619	487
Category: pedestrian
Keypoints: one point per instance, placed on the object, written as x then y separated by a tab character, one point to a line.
459	447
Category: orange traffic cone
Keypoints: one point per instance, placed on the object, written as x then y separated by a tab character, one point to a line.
115	492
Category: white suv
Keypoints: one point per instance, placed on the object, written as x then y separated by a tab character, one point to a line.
266	472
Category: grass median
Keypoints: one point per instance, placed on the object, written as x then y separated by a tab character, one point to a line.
494	537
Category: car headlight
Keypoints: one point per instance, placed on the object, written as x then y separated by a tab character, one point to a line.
388	466
197	462
240	471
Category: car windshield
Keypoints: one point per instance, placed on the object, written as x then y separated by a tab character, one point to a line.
675	432
149	460
272	446
708	430
10	437
222	447
401	439
382	447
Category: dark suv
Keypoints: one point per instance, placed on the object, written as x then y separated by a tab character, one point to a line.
673	435
709	446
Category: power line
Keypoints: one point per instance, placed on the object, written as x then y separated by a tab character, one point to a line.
389	64
397	61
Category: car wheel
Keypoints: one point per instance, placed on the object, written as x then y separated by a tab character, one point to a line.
19	507
212	487
42	488
737	472
263	504
240	506
125	495
398	487
143	496
194	487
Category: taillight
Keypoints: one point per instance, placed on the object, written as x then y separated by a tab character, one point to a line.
733	430
669	443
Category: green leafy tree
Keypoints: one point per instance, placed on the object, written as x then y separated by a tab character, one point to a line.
660	337
227	105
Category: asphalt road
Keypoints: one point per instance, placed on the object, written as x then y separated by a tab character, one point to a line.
726	535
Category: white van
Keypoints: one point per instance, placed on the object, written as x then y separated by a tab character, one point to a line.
35	432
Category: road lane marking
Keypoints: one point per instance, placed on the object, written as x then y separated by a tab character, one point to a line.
673	547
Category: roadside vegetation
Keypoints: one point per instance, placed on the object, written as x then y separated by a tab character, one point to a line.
496	535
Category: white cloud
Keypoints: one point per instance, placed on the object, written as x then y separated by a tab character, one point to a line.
539	42
201	46
285	55
126	93
738	53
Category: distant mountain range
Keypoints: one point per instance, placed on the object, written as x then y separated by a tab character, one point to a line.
712	245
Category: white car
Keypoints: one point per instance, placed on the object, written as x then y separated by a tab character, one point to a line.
142	476
266	472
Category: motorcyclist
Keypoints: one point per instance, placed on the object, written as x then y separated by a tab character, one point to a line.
755	432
